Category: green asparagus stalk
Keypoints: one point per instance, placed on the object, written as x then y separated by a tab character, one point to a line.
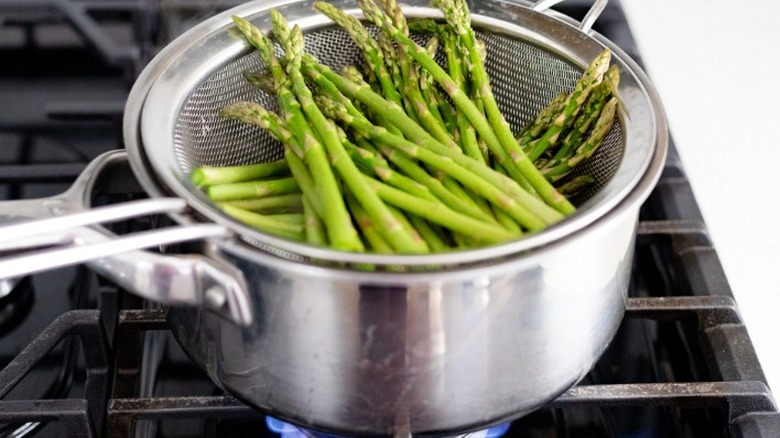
290	218
543	120
467	131
596	101
372	236
532	213
434	241
367	44
255	114
502	141
389	54
576	185
427	26
252	189
335	85
208	175
440	214
450	116
368	161
600	130
428	86
264	223
263	81
313	226
417	173
411	77
404	221
587	82
291	203
352	73
341	233
395	234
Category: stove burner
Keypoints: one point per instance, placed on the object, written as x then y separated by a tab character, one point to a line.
16	298
287	430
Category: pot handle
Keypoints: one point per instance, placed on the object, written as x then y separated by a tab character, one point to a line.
589	19
60	224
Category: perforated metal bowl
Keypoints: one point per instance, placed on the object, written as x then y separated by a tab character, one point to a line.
529	62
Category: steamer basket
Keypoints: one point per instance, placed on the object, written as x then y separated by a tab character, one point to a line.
530	60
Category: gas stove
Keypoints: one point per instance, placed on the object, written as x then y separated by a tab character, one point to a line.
82	358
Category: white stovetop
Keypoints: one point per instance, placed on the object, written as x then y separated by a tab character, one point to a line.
716	64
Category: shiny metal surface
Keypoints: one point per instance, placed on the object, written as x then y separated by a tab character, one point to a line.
61	222
485	336
456	342
432	353
185	94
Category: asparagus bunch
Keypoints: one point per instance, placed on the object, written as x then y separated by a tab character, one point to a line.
408	156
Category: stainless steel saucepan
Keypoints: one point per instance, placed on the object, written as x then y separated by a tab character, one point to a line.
428	344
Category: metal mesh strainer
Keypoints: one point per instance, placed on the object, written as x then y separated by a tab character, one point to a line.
524	79
530	60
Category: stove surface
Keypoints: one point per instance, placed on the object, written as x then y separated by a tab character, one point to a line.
82	358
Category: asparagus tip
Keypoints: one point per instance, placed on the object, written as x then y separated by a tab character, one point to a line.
197	177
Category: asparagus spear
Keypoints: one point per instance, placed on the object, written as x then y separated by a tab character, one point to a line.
373	237
532	213
590	79
266	224
263	81
576	185
440	214
434	241
502	136
208	175
341	233
427	86
368	46
395	234
596	101
542	120
289	203
389	53
313	227
467	131
426	26
435	185
290	218
600	130
368	160
411	78
334	85
352	73
252	189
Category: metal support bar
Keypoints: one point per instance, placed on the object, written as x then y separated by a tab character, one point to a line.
72	413
86	324
710	310
113	53
122	413
740	397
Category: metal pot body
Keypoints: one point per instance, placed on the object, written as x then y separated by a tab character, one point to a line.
430	353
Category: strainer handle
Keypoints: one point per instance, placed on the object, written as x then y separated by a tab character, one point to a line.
587	22
55	232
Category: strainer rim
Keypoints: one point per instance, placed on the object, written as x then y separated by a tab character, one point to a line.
643	179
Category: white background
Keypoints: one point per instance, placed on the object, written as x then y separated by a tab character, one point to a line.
716	65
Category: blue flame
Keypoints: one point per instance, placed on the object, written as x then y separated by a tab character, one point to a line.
287	430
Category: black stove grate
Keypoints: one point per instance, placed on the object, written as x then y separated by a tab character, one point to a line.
681	365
